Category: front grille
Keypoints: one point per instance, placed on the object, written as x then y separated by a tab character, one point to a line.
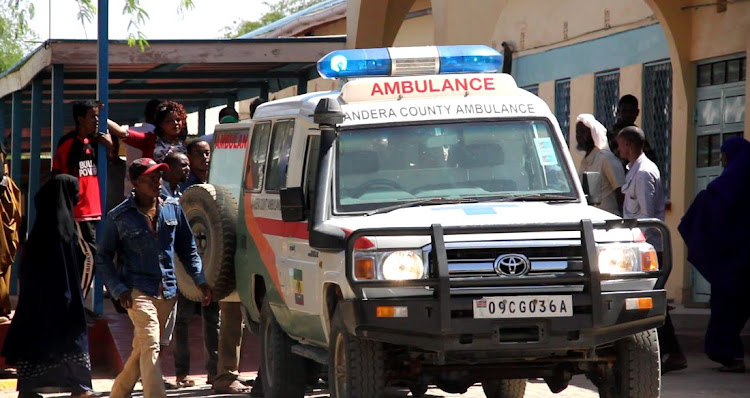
476	260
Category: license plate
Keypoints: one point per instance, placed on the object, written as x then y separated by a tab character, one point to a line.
523	307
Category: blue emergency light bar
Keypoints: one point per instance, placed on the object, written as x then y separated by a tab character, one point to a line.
403	61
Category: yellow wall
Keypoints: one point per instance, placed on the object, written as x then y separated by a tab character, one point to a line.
416	32
631	82
581	101
522	24
718	34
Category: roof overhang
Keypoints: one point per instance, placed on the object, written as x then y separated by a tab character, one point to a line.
194	72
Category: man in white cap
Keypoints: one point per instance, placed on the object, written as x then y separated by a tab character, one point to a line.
591	138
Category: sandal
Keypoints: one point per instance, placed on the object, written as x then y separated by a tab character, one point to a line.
185	381
235	388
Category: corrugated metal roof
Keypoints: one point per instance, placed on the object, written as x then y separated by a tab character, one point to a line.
291	18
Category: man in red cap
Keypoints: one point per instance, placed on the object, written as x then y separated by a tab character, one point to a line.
145	232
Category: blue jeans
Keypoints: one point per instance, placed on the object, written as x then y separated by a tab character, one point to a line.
210	314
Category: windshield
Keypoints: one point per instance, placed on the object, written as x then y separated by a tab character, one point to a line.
385	166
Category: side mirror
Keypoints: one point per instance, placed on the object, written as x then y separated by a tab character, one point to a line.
591	187
292	204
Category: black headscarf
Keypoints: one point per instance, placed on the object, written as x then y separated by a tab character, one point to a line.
50	321
54	207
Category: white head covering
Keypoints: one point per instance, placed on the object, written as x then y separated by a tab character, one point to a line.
598	131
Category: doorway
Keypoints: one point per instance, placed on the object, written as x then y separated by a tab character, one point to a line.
720	114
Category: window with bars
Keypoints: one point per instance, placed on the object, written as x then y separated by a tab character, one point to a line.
722	72
532	88
606	95
562	106
657	116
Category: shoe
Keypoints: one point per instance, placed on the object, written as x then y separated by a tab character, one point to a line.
185	381
673	362
169	385
245	381
235	388
733	366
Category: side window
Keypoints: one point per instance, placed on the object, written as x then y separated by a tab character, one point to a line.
257	161
311	168
281	145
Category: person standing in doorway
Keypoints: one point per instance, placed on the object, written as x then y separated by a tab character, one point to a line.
10	200
77	155
591	138
715	230
145	232
644	198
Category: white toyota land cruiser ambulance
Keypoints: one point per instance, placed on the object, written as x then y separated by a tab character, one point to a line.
426	226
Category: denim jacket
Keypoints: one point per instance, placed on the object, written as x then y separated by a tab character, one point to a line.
145	261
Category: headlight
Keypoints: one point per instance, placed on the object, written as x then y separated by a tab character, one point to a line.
619	259
402	265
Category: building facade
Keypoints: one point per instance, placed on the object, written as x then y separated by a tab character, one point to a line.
685	60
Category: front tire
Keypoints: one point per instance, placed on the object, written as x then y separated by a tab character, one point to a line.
356	367
637	372
510	388
283	373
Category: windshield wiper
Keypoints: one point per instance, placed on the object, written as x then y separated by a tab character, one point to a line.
418	202
537	197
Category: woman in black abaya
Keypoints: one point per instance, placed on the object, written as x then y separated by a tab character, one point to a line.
48	338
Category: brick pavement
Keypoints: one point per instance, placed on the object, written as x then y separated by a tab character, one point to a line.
700	379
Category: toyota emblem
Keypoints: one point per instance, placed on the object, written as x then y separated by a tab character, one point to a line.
512	265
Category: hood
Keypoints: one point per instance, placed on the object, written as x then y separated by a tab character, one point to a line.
467	214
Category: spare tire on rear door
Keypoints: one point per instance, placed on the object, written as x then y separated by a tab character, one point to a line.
212	214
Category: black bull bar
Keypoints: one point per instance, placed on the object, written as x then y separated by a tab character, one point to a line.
440	280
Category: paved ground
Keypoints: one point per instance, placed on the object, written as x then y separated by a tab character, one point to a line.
700	379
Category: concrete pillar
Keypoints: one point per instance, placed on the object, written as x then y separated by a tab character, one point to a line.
374	23
466	21
581	101
676	28
547	93
17	121
202	120
58	112
264	90
631	82
35	161
2	122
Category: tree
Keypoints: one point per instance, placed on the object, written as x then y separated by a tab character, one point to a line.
276	11
16	38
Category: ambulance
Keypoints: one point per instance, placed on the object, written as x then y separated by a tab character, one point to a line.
425	227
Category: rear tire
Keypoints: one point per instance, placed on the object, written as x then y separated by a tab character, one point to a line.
356	367
506	388
282	373
212	215
637	372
